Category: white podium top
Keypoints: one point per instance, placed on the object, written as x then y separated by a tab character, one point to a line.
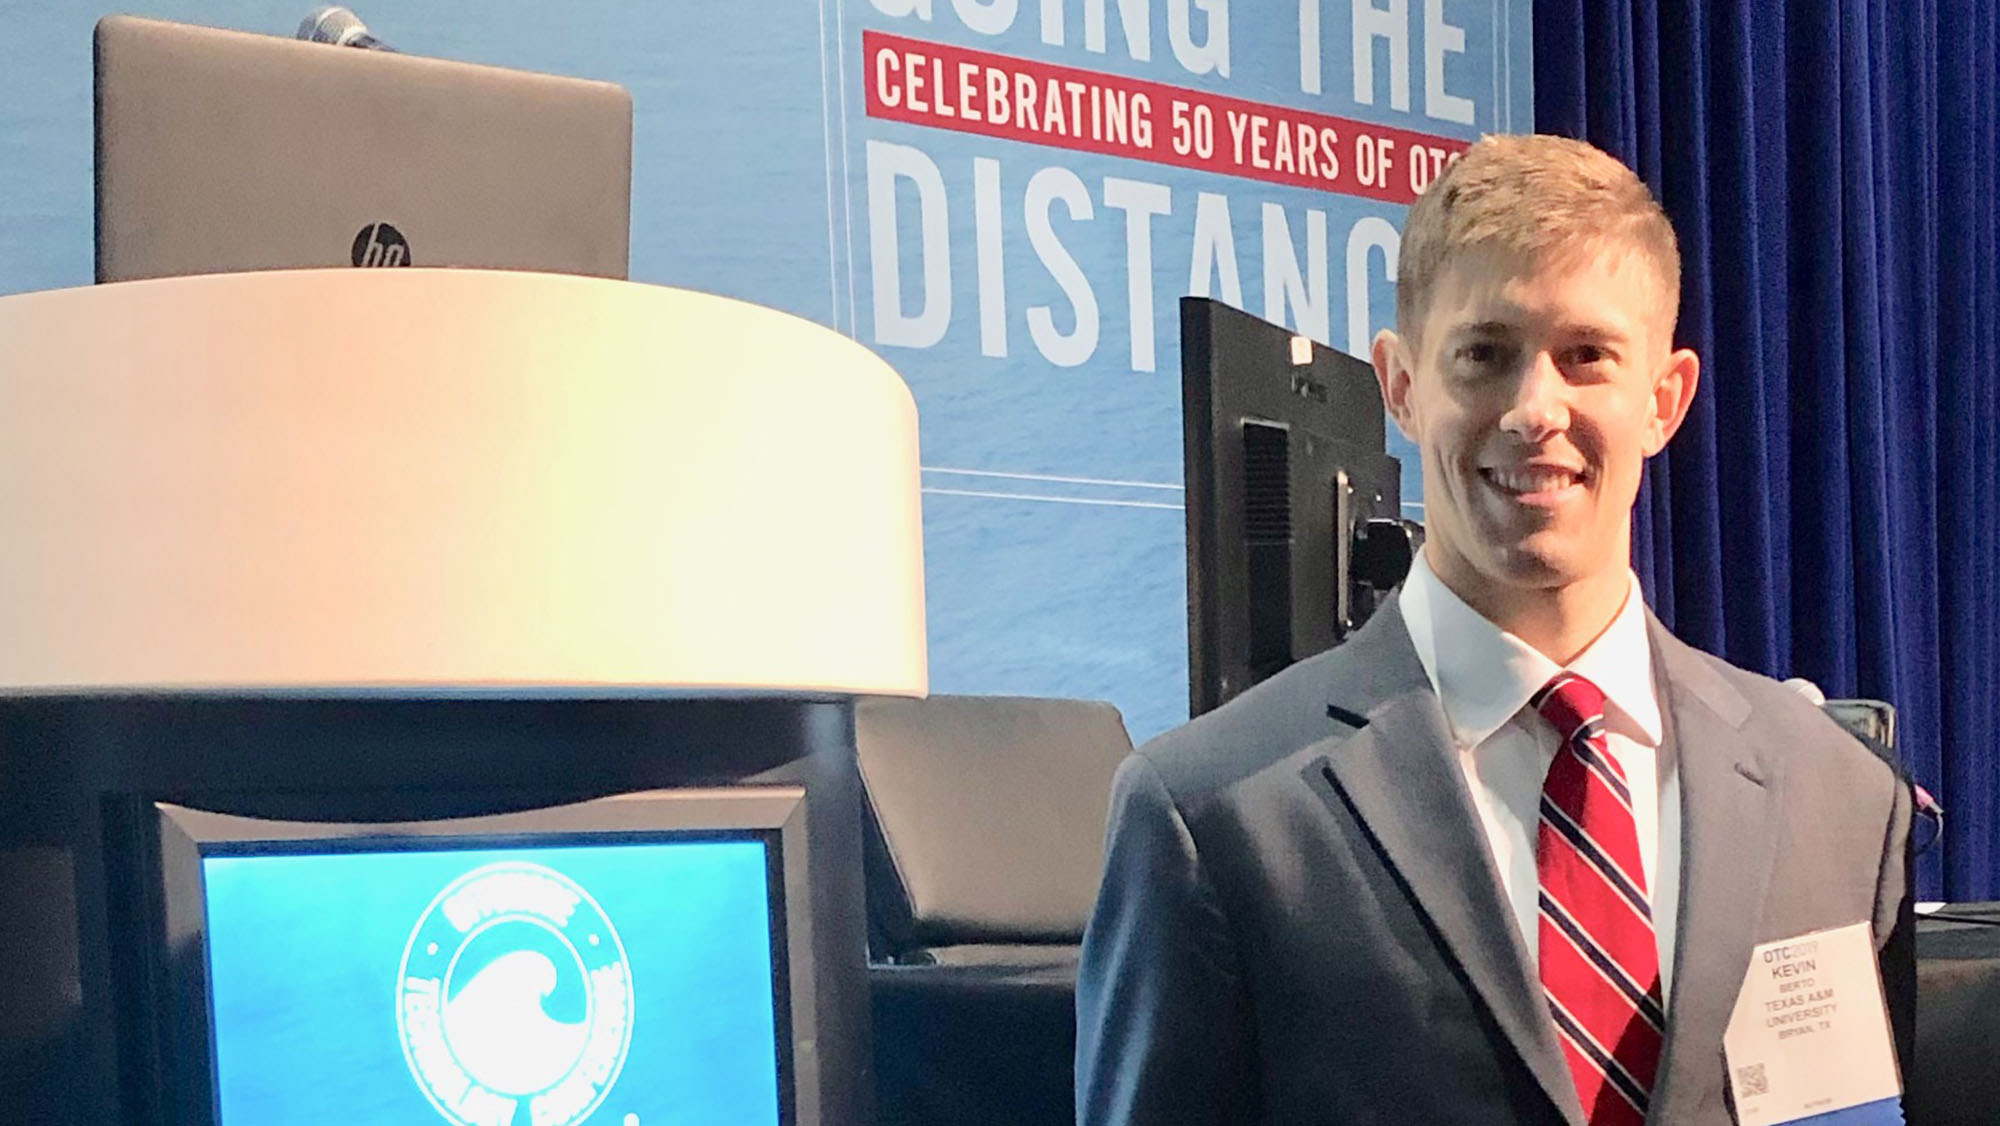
450	479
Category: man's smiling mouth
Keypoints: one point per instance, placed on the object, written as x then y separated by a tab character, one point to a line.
1532	482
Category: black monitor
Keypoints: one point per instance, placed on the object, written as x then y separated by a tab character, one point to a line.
628	960
1293	507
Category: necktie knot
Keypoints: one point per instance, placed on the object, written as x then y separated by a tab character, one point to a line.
1572	705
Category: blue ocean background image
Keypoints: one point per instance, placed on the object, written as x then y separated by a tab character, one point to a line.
304	953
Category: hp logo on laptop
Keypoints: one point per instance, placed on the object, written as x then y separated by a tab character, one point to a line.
513	1001
379	244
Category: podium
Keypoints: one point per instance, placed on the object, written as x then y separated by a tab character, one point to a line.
394	544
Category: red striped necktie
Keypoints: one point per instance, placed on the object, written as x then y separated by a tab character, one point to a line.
1600	963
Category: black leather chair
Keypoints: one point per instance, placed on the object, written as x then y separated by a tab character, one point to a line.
984	850
1953	1078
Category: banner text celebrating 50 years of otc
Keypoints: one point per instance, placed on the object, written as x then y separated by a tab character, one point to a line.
956	88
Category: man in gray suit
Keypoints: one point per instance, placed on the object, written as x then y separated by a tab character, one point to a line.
1502	856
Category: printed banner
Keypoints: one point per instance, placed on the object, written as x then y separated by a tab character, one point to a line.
1006	199
1028	188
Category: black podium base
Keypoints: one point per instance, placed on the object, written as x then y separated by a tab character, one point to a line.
72	768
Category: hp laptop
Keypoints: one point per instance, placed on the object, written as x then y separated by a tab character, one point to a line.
220	151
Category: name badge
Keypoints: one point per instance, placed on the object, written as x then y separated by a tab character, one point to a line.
1809	1039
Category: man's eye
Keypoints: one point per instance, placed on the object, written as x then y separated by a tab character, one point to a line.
1479	354
1589	355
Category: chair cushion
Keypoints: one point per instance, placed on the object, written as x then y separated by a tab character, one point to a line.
987	816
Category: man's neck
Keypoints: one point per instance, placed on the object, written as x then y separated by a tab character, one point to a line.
1558	622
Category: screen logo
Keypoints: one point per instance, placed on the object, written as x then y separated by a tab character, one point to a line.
379	244
514	1003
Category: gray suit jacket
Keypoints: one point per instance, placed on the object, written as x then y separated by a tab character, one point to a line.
1300	921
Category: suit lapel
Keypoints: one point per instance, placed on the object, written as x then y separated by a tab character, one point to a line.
1400	776
1727	796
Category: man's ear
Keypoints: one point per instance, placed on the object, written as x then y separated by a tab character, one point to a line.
1673	394
1393	364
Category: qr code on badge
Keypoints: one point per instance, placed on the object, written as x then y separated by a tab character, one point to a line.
1750	1080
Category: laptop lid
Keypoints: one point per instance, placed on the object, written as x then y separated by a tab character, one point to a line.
222	151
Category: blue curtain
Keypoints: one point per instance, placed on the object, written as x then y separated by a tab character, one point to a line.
1829	511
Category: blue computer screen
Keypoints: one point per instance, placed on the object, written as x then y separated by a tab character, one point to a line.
625	983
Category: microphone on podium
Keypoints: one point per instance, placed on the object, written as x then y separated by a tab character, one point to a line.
1807	689
339	27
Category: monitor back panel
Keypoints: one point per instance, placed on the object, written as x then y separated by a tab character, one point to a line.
222	151
1284	451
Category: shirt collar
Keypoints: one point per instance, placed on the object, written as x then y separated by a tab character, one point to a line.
1483	675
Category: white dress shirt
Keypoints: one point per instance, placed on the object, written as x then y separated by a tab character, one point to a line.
1484	677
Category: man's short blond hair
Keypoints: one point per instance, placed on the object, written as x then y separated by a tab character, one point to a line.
1540	199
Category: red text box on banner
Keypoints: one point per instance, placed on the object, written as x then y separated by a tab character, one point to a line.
947	87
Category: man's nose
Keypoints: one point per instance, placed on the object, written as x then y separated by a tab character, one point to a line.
1540	408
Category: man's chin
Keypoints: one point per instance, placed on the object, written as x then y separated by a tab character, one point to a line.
1536	563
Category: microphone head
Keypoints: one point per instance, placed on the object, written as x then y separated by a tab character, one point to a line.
335	25
1807	689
